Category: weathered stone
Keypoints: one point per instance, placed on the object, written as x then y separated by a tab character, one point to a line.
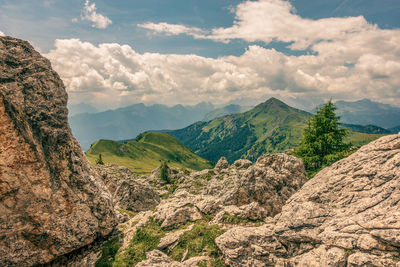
177	211
156	258
51	200
348	214
269	182
242	164
222	164
134	196
171	239
130	192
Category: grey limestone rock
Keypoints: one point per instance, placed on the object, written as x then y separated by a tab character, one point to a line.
129	191
51	201
347	215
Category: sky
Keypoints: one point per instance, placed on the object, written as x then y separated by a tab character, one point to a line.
116	53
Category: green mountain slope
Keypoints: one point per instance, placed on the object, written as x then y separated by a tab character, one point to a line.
269	127
227	110
127	122
146	152
359	138
369	129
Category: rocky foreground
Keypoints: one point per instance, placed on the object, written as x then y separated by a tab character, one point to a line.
348	215
51	201
58	210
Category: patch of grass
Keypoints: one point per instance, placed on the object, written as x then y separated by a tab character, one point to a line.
131	214
234	219
198	241
186	171
210	174
146	239
109	250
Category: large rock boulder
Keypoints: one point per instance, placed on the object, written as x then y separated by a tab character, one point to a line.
347	215
51	201
269	182
129	191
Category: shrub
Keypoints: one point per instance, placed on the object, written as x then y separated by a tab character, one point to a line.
99	160
164	172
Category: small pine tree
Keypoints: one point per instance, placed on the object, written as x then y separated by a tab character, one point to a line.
323	140
99	160
164	172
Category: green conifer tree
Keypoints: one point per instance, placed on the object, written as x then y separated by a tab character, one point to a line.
323	140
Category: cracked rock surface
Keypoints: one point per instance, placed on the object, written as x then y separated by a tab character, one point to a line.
347	215
51	201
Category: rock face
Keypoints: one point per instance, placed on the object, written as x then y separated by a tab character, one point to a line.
249	192
347	215
51	201
130	193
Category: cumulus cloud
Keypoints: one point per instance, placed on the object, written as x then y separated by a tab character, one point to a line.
276	20
89	13
2	33
349	56
172	29
112	75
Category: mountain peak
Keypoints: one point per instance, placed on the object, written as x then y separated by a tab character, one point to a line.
272	102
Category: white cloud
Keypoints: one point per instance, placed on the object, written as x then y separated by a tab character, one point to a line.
112	75
2	33
335	43
89	13
172	29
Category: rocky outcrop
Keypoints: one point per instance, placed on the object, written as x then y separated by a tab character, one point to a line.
130	192
269	183
347	215
252	193
156	258
51	201
222	164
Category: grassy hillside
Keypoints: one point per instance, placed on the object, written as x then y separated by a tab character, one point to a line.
269	127
146	153
360	139
127	122
369	129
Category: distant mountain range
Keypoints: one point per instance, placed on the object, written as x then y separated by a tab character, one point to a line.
227	110
128	122
395	130
367	112
75	109
146	153
269	127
